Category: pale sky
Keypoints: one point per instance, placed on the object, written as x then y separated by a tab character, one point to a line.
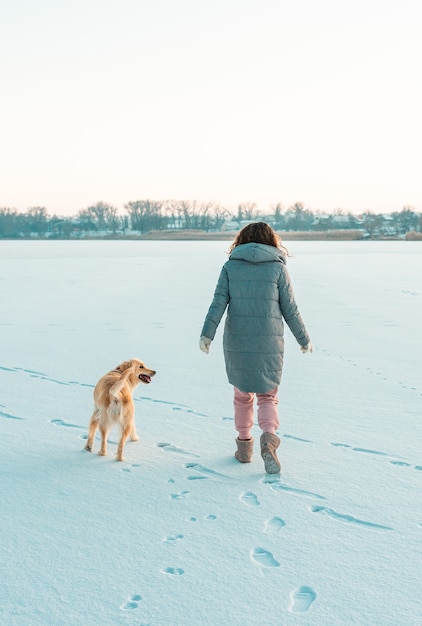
232	101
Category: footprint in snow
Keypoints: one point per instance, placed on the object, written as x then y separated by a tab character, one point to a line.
270	479
173	540
274	525
191	411
131	603
278	486
297	438
9	416
59	422
206	471
173	571
350	519
179	496
249	499
168	447
128	470
42	376
264	558
301	599
356	449
369	451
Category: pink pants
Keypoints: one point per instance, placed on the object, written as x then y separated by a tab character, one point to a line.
244	412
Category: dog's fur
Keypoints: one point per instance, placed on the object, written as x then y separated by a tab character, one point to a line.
113	404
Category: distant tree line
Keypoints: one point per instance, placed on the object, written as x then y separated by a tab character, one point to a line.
142	216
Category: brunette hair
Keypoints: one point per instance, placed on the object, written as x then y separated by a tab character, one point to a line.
257	232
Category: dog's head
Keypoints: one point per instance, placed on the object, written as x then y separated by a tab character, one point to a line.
141	373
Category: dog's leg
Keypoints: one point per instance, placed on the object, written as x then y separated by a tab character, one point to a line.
104	432
131	415
125	435
93	425
133	434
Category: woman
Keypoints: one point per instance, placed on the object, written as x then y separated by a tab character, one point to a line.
255	286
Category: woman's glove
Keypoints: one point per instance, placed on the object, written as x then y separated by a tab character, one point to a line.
308	348
204	344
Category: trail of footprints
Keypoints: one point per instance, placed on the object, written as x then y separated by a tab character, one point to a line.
369	369
200	472
396	462
183	408
177	407
302	597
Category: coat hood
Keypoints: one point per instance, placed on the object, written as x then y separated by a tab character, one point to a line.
257	253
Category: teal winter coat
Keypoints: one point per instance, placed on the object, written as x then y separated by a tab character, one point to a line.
254	286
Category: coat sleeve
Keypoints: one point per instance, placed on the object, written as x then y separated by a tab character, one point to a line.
218	306
289	309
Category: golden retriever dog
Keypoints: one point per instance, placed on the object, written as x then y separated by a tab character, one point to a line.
113	404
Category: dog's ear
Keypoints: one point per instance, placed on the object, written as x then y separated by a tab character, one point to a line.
124	366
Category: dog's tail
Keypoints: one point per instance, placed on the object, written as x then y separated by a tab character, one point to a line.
117	387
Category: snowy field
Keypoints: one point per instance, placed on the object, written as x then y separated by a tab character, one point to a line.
181	534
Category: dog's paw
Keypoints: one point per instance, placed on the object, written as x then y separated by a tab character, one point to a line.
88	448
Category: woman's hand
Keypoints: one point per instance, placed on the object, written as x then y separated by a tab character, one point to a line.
204	344
308	348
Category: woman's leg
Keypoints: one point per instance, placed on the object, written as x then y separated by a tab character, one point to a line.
268	411
243	412
269	423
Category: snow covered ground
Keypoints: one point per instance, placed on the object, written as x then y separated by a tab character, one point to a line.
180	533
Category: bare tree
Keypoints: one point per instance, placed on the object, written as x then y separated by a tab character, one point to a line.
146	215
299	217
407	219
247	211
99	217
37	220
10	223
221	214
